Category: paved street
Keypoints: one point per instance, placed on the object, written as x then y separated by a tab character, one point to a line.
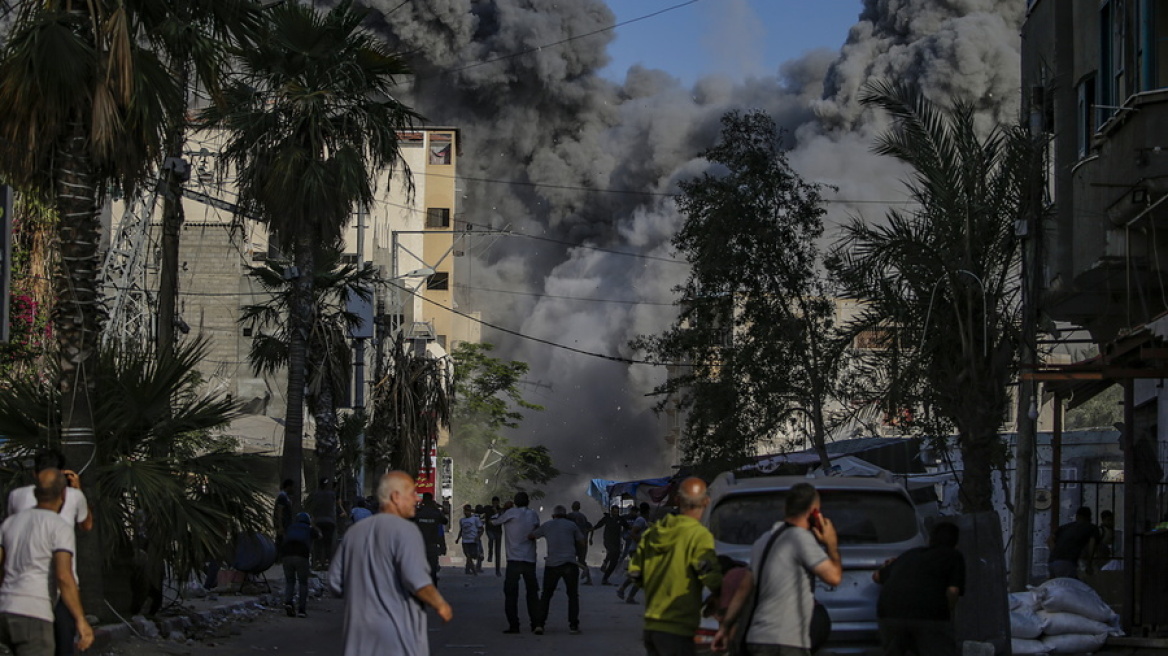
609	626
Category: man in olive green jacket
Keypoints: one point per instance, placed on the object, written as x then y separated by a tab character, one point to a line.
673	562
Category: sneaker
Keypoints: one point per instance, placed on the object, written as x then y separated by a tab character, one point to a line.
302	614
289	610
537	630
575	630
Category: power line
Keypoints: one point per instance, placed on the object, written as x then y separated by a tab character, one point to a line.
568	298
516	333
595	248
635	192
569	39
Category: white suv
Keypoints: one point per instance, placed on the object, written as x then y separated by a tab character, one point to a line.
875	520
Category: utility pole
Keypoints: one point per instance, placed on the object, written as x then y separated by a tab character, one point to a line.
1027	424
359	360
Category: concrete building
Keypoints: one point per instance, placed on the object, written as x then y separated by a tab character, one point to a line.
1095	76
412	236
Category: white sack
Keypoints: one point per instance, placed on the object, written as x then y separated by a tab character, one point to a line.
1074	643
1066	595
1024	646
1025	623
1023	600
1067	623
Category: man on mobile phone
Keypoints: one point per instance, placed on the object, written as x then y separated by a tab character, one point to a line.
807	547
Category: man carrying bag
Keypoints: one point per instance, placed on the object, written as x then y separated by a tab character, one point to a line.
784	564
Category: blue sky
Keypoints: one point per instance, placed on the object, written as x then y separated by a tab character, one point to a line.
734	37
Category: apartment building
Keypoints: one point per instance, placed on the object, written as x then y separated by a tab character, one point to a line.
1095	86
411	236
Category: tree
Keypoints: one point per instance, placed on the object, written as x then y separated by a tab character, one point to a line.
329	356
410	407
487	401
755	330
940	280
161	480
83	103
312	120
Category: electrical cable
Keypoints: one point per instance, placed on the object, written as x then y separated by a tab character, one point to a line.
516	333
567	298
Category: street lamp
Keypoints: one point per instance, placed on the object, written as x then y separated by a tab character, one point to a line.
984	312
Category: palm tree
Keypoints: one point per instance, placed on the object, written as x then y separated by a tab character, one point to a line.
83	102
311	123
157	456
940	280
411	406
329	356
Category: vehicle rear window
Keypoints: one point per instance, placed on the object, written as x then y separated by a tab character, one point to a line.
860	517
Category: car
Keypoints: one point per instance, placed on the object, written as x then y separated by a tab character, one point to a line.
875	519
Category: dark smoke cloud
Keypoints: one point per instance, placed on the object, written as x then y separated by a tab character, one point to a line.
547	117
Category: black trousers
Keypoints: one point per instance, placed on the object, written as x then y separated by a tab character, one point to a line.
551	577
612	557
920	637
518	569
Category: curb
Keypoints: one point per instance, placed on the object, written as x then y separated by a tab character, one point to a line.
106	635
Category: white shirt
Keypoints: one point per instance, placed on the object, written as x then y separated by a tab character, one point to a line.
74	511
29	540
518	523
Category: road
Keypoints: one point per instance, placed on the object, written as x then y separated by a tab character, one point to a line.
608	625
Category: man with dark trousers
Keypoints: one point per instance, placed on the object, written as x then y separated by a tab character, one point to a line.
612	525
920	590
519	522
432	523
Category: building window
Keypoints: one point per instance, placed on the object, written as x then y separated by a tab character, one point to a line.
438	280
441	148
1152	44
438	217
1086	122
411	139
1112	44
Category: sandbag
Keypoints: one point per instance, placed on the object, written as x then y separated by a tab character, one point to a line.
1068	623
1024	646
1023	600
1074	643
1025	623
1066	595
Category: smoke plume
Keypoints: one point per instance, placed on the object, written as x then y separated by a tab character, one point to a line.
551	149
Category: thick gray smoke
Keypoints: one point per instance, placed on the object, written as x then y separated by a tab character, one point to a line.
549	147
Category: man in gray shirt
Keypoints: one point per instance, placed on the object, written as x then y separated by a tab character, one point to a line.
781	622
563	538
381	571
519	522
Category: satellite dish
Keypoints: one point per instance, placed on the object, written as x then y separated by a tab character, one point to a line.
1042	499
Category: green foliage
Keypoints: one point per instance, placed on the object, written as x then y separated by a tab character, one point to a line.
161	479
488	402
754	339
939	281
411	406
1101	411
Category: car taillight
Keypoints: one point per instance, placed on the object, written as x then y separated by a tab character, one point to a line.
704	636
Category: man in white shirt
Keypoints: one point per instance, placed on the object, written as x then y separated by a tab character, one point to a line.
519	522
36	549
75	511
469	528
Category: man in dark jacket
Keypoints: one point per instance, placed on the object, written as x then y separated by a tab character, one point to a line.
432	523
1072	542
920	590
294	550
613	526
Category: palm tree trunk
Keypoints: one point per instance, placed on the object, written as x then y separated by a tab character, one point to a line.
977	457
300	321
77	319
327	442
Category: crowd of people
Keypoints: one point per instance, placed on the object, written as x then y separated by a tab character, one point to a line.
385	571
